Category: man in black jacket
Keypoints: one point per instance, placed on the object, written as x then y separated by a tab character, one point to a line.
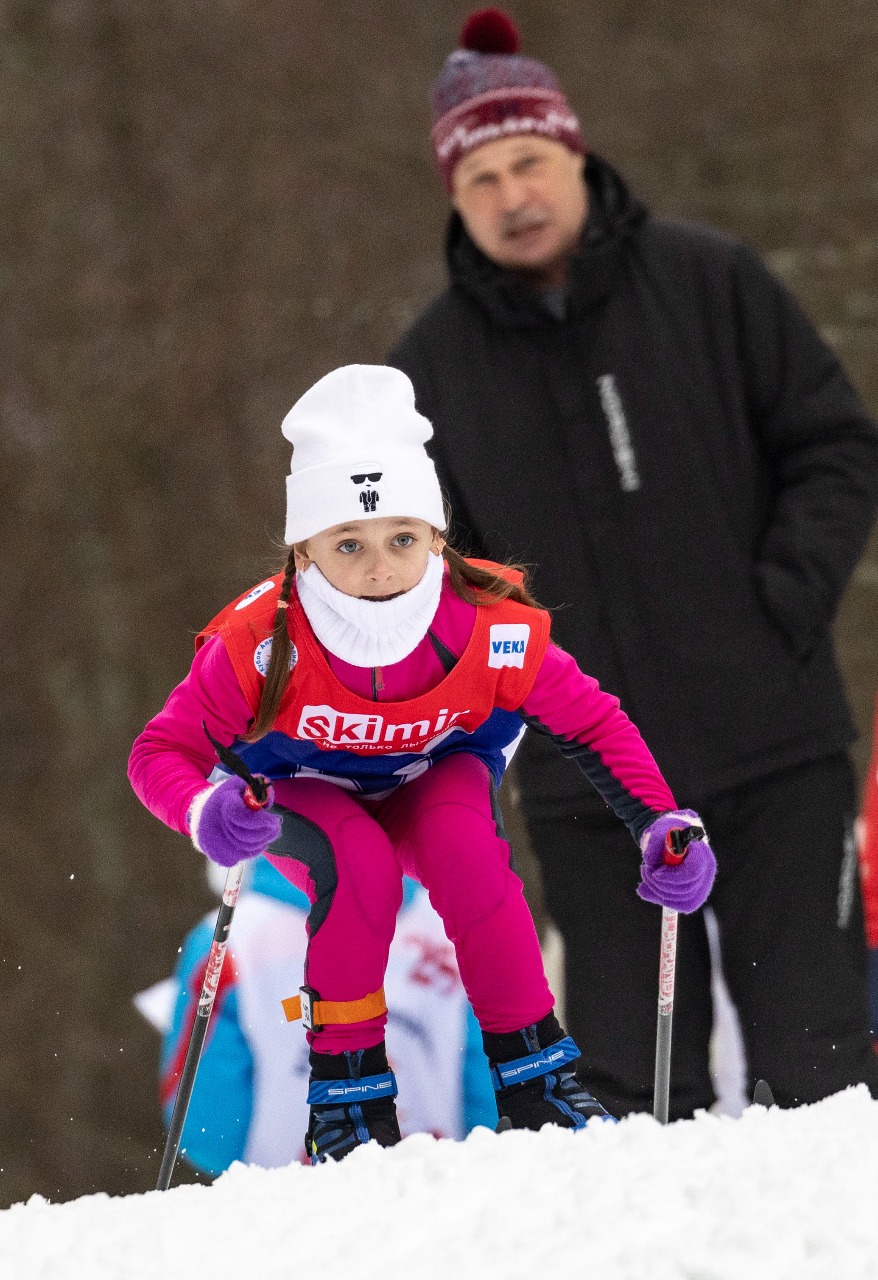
641	411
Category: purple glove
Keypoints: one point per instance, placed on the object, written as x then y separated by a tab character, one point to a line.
684	887
226	829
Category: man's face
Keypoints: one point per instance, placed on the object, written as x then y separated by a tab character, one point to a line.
524	203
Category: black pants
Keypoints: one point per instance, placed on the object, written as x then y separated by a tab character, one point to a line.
787	900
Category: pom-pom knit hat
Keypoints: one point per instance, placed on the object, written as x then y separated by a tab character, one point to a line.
486	90
358	452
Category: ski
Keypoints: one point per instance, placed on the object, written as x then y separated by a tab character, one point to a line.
762	1095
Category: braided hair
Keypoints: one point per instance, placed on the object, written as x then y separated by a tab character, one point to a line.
279	663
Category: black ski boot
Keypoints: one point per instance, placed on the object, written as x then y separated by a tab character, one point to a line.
538	1088
352	1102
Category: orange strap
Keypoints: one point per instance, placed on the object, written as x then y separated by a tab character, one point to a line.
326	1012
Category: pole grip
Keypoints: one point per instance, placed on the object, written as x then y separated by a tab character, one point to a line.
256	793
677	843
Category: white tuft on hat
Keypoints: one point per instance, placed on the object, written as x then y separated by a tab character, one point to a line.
358	452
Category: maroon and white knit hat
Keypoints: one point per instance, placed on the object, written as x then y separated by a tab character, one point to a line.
486	90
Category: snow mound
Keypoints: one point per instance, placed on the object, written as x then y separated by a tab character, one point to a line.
777	1195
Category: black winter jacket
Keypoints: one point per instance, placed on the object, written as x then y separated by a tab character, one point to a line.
686	467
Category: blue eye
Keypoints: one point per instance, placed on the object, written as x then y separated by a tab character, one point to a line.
346	548
404	539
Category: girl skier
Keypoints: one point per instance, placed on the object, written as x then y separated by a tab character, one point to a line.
381	683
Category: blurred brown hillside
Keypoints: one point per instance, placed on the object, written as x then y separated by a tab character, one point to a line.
203	207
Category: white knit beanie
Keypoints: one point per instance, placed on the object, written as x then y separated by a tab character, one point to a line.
358	451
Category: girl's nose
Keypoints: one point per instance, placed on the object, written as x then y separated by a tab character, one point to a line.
379	569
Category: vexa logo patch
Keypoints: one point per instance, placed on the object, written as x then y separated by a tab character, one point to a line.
508	644
326	726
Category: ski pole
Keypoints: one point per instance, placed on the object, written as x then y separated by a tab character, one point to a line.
674	853
199	1027
255	797
667	968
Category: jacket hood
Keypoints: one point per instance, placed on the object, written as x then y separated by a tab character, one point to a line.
613	216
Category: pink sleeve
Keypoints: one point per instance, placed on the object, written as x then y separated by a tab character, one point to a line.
589	726
172	758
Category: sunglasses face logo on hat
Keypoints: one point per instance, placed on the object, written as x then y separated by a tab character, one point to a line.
367	495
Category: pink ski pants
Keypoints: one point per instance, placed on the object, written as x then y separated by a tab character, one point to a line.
349	855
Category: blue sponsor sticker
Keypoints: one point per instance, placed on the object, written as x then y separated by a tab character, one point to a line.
254	594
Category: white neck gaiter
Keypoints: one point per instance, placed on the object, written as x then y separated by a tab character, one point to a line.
370	633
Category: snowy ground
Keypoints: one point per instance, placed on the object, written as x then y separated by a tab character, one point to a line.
777	1195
